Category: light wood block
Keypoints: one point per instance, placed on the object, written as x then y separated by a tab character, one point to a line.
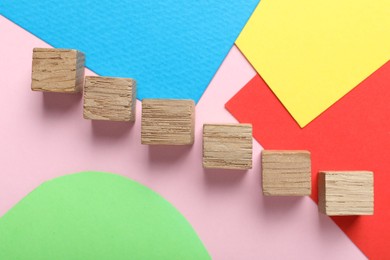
111	99
346	193
286	173
227	146
167	122
57	70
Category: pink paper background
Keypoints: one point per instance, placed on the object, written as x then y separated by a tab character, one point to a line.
44	136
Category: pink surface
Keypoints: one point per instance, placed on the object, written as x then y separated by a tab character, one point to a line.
45	136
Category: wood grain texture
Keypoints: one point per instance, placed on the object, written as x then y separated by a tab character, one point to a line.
227	146
167	122
57	70
346	193
286	173
111	99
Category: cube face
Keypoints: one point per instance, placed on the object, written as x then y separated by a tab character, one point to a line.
57	70
111	99
167	122
227	146
346	193
286	173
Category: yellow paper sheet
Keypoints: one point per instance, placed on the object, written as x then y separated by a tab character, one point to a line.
313	52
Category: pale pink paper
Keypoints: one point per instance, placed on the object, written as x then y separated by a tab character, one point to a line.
44	136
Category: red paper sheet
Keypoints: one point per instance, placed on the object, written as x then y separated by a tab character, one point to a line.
353	134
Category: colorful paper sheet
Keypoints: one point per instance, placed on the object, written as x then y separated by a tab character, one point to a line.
354	134
312	52
95	215
240	223
173	48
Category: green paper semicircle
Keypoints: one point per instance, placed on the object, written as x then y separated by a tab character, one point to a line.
93	215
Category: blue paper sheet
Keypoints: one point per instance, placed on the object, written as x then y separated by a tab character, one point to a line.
172	48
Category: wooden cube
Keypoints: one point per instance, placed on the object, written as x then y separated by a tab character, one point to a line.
286	173
227	146
57	70
111	99
167	122
346	193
